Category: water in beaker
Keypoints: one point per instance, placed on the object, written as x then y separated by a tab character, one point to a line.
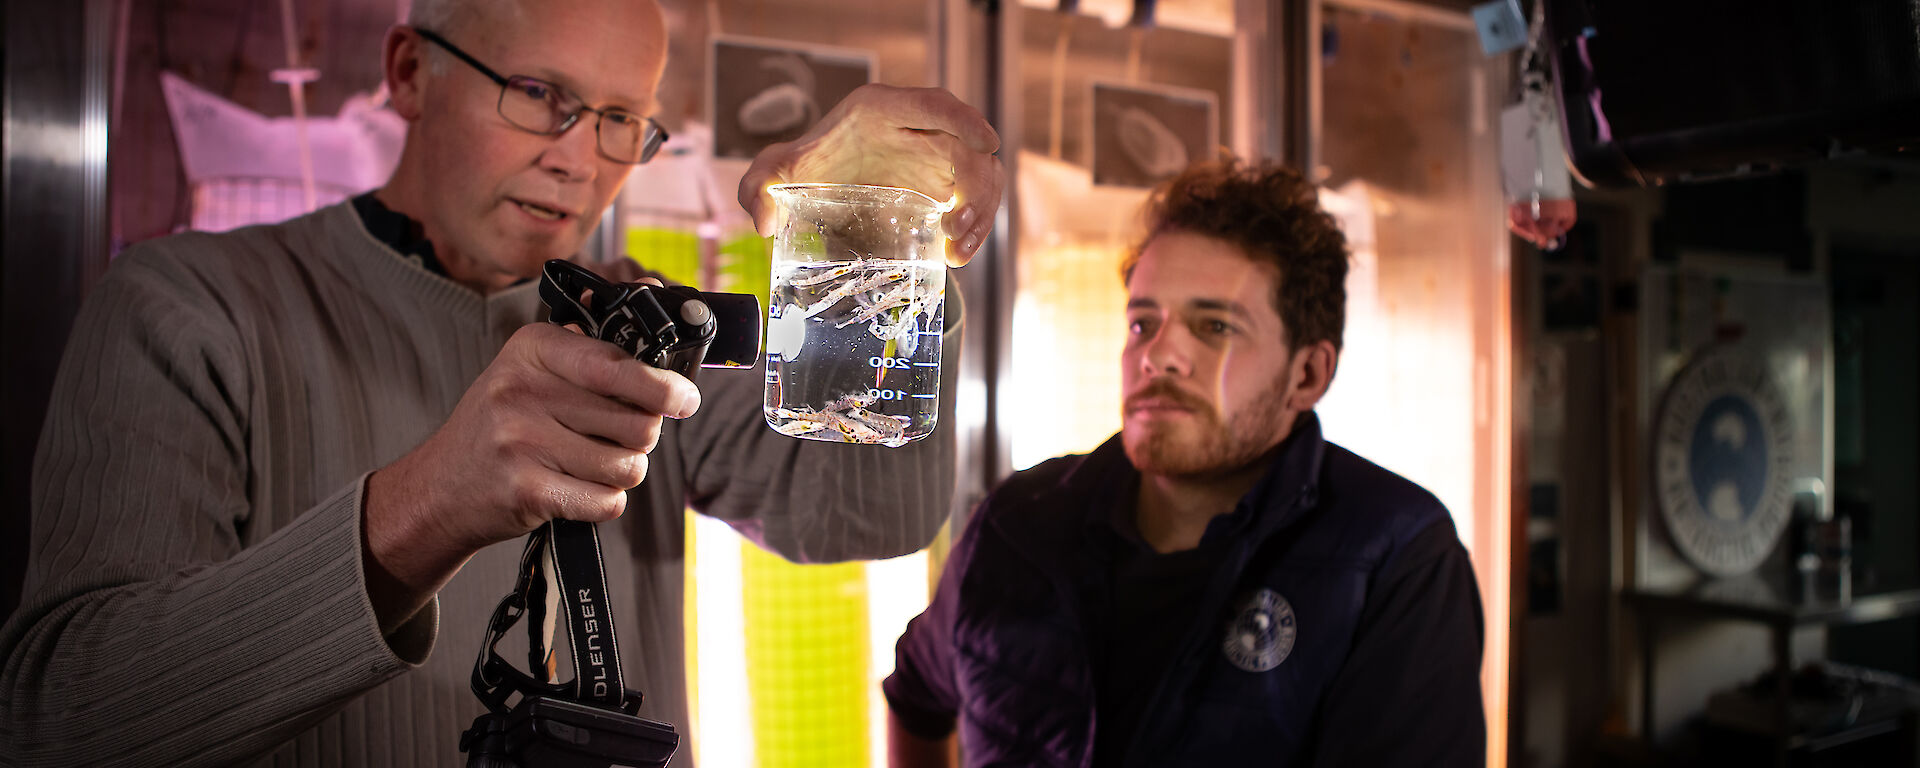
855	314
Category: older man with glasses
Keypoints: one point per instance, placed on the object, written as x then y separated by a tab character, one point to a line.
545	108
285	468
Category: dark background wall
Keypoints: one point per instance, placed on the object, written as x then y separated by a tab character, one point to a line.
1846	223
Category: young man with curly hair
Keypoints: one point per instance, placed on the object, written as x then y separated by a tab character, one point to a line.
1217	584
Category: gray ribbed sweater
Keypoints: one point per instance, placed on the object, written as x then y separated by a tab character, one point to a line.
195	595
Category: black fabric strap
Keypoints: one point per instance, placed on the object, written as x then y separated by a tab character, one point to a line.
579	578
561	573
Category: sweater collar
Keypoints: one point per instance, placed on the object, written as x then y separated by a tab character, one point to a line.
405	235
399	232
381	263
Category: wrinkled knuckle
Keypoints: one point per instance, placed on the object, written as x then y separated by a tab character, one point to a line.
512	442
584	369
663	392
932	96
601	367
631	469
532	497
575	364
525	521
527	341
494	386
649	433
526	335
604	507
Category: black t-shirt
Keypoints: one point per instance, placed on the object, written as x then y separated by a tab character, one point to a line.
1154	603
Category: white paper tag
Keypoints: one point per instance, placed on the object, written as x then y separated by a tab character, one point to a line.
1532	163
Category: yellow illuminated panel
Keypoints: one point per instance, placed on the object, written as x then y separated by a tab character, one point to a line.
1069	321
806	629
1069	310
673	253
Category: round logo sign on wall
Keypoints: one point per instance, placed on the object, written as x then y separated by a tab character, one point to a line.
1722	449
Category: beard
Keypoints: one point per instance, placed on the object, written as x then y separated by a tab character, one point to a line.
1209	443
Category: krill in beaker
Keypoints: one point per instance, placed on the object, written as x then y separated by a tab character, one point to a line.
853	343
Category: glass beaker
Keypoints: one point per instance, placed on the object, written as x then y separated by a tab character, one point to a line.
855	312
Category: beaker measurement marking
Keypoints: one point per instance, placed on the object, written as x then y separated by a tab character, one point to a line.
926	397
888	394
927	365
929	333
877	361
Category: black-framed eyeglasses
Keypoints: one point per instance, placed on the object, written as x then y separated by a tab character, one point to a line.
537	106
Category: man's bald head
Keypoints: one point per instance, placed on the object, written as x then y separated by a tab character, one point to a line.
455	17
497	198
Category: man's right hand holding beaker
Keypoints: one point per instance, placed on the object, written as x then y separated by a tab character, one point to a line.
923	139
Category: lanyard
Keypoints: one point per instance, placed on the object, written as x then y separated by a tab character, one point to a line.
562	573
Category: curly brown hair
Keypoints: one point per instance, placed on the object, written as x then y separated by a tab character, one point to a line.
1274	216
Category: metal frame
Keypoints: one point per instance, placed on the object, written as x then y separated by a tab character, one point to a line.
972	59
55	214
1304	95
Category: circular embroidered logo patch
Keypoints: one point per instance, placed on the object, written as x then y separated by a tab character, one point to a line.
1260	634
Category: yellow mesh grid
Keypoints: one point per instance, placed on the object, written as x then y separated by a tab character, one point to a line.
745	265
674	253
806	660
